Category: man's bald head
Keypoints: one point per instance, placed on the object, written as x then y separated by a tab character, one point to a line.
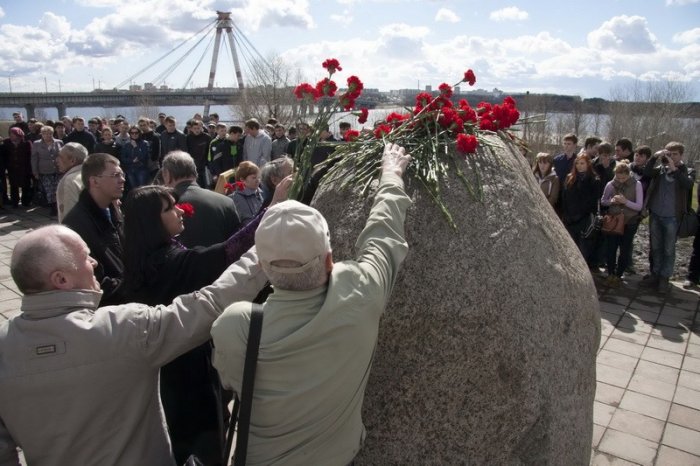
41	252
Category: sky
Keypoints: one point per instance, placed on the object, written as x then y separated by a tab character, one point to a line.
564	47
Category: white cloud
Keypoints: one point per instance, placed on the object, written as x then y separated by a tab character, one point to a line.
687	37
2	12
511	13
625	34
680	2
344	18
447	16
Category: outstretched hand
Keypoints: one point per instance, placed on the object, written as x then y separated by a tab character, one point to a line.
395	159
281	190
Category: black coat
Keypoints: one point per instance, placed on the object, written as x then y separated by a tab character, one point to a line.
581	199
215	218
104	238
83	137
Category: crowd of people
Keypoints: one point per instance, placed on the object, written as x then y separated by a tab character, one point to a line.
140	221
627	185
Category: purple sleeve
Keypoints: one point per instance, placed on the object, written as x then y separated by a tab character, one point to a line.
607	194
242	240
639	202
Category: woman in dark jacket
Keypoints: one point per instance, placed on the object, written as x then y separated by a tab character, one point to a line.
18	155
580	197
157	269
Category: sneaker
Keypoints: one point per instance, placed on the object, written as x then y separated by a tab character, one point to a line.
664	286
651	281
689	283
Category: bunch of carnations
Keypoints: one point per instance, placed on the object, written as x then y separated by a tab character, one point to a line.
333	103
438	133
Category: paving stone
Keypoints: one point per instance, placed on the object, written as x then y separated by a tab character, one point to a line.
691	364
610	318
624	347
652	387
644	404
657	371
633	337
606	328
646	316
693	350
602	413
687	397
662	357
684	416
613	359
597	434
613	376
671	457
665	344
603	459
689	379
637	424
634	324
628	447
608	394
674	321
682	438
678	334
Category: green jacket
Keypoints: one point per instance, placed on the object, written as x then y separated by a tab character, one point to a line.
316	348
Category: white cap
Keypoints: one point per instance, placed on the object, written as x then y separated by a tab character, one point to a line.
292	231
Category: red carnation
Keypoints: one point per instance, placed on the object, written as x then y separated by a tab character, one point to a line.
445	90
487	125
355	86
346	101
447	118
396	118
187	209
351	135
306	90
466	143
332	65
469	77
423	99
364	113
381	130
326	87
509	101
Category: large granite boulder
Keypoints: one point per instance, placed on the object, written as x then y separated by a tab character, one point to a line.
486	351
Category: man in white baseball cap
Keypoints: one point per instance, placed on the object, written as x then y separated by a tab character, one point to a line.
319	329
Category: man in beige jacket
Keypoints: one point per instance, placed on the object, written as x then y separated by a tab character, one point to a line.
78	383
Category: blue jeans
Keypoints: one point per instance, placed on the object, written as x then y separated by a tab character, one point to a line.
663	244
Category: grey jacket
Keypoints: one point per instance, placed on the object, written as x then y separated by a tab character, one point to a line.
79	384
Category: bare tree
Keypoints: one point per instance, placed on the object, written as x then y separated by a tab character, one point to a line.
653	113
269	91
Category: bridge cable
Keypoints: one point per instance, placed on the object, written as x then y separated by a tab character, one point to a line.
168	71
130	78
199	62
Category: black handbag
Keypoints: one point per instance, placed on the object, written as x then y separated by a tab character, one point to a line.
240	414
688	225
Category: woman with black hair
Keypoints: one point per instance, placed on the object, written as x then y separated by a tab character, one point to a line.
157	269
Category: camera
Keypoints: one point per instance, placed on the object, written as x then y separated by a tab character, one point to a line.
664	159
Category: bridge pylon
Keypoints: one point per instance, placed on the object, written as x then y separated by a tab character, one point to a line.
224	23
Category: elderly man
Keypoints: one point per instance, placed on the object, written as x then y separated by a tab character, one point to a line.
69	162
215	218
320	327
97	219
79	383
272	174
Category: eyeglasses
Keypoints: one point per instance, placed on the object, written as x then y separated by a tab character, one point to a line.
113	175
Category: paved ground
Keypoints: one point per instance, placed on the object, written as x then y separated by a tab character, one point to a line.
647	408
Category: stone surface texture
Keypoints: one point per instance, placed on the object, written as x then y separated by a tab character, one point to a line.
487	349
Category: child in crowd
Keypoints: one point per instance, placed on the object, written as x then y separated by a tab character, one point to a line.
248	200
